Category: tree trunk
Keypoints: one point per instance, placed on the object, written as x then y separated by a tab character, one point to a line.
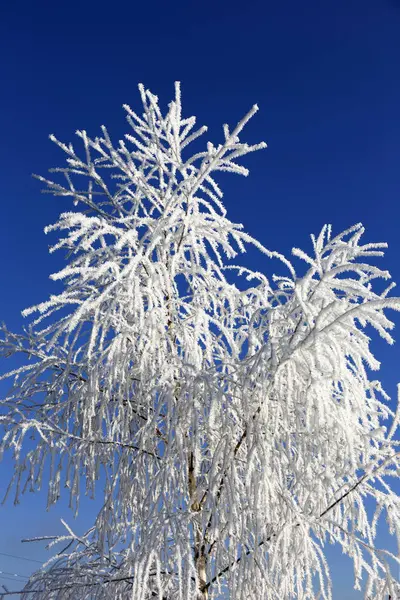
199	557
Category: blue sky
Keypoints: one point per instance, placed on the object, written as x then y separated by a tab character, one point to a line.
325	75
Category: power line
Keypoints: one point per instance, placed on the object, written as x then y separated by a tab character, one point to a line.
21	557
14	574
11	579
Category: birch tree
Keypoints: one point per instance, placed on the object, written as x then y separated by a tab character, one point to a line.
227	419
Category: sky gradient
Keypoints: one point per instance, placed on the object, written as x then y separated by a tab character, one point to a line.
325	76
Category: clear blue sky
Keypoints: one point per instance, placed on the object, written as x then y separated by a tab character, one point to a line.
324	73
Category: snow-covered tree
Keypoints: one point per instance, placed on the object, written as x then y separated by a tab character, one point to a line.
228	420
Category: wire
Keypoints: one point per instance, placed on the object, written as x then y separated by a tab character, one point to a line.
11	579
14	574
21	557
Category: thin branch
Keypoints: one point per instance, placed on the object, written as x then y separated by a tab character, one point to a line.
338	501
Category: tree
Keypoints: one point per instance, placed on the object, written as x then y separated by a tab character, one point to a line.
230	418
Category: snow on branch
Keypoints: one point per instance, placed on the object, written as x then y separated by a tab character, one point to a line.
230	430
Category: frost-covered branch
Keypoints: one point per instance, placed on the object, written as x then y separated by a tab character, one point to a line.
228	420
